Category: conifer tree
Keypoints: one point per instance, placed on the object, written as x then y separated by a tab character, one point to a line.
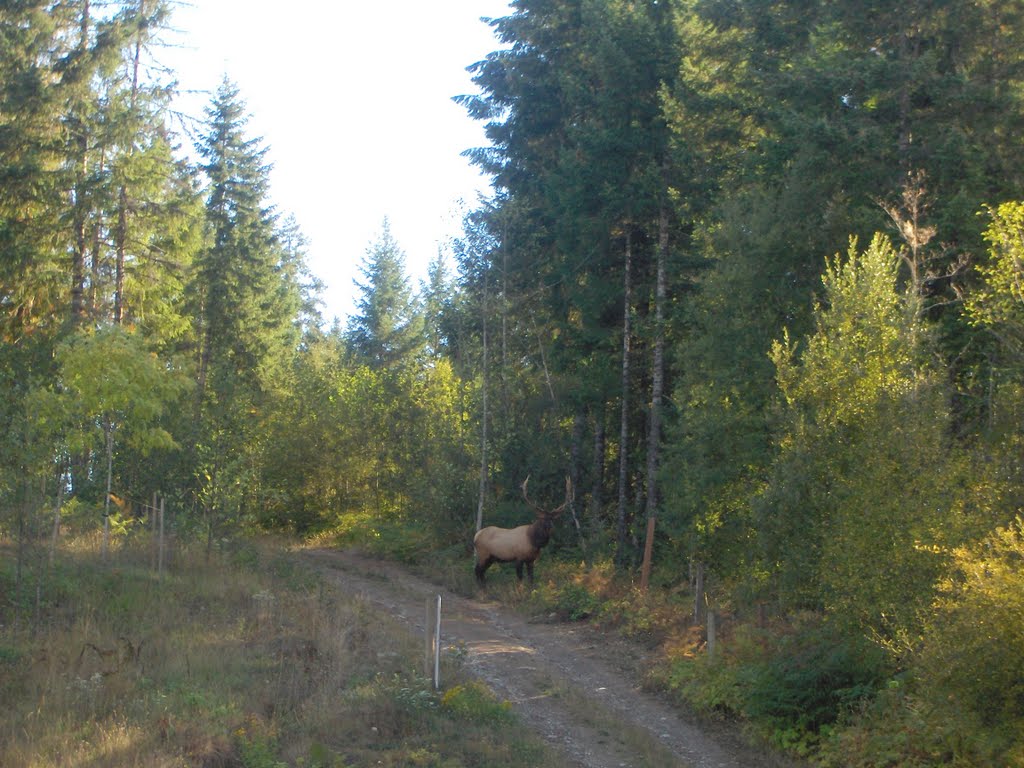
387	330
437	296
246	306
579	151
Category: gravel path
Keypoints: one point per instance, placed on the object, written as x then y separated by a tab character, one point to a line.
573	684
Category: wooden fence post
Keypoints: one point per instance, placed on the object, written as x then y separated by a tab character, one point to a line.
698	593
432	641
160	551
711	634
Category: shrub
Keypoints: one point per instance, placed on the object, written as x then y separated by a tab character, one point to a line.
808	681
712	687
792	688
575	602
971	665
475	702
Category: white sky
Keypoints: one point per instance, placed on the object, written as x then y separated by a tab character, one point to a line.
354	102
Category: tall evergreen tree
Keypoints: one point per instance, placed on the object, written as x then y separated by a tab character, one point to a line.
246	304
387	330
437	297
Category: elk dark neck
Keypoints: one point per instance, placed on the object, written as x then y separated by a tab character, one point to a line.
540	533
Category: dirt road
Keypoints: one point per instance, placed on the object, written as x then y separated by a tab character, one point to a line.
571	683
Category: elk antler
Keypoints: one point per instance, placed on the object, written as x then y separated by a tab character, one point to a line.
532	506
553	512
568	497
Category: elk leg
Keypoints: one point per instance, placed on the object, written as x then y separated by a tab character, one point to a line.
481	567
519	569
529	572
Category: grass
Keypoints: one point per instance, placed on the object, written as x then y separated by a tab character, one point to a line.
246	660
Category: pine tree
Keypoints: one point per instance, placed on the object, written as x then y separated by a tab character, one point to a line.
247	304
437	294
387	330
579	151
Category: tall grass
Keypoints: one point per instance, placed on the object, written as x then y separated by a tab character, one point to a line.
244	659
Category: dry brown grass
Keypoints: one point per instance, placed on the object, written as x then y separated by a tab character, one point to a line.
243	661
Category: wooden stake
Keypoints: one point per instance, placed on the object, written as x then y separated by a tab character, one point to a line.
437	647
711	634
160	553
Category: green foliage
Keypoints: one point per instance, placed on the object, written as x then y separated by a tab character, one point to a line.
971	664
792	688
111	381
808	681
998	303
865	346
575	602
257	745
475	702
751	137
960	702
388	330
864	489
710	687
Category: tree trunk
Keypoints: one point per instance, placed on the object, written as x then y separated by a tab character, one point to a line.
81	198
79	247
22	552
543	363
122	193
698	593
575	471
483	421
597	471
657	393
56	513
622	514
109	430
162	544
506	400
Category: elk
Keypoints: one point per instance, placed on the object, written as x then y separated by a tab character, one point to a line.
520	545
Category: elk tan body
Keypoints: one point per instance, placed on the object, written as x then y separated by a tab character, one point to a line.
520	545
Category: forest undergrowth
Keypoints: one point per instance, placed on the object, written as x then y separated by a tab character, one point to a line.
810	688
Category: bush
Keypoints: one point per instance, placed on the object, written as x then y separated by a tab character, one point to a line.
792	688
575	602
808	681
712	687
971	665
475	702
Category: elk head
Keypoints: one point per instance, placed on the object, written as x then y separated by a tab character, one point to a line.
540	531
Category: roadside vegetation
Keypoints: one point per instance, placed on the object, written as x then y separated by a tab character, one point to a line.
800	684
240	660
